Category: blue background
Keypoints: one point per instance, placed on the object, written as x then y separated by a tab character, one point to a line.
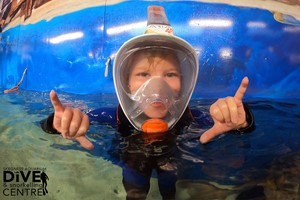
254	44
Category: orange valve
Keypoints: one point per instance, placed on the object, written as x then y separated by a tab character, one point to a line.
14	89
154	126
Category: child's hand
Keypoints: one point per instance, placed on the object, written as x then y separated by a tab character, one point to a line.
70	122
228	114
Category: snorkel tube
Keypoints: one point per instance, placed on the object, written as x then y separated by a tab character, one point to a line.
16	88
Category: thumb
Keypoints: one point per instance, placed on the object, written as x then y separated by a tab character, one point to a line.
210	134
58	107
85	143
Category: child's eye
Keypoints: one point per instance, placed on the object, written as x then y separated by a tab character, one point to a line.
172	74
143	74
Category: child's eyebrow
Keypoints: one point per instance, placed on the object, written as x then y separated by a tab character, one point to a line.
141	67
172	68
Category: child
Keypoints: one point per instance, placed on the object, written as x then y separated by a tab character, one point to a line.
163	92
154	76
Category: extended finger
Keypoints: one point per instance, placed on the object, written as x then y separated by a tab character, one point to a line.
58	107
66	121
210	134
85	143
242	89
75	122
232	107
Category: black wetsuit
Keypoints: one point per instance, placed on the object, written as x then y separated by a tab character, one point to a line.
142	153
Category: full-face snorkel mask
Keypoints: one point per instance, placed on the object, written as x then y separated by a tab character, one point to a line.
155	95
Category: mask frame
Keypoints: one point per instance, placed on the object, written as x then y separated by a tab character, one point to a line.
188	62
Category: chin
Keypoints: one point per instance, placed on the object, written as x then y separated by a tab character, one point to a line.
156	113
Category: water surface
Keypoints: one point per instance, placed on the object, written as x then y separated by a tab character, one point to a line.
265	162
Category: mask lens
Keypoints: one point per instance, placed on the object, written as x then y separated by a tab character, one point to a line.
155	92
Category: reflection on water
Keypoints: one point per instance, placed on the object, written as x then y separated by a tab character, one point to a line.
264	164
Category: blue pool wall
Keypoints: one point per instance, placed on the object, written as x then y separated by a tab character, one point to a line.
242	42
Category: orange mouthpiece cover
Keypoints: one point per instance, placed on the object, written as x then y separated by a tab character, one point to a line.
154	126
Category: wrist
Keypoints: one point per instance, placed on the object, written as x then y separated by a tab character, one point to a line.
47	125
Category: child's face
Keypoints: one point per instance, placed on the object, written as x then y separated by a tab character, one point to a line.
143	68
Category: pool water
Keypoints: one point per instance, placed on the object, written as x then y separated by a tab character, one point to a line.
263	164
